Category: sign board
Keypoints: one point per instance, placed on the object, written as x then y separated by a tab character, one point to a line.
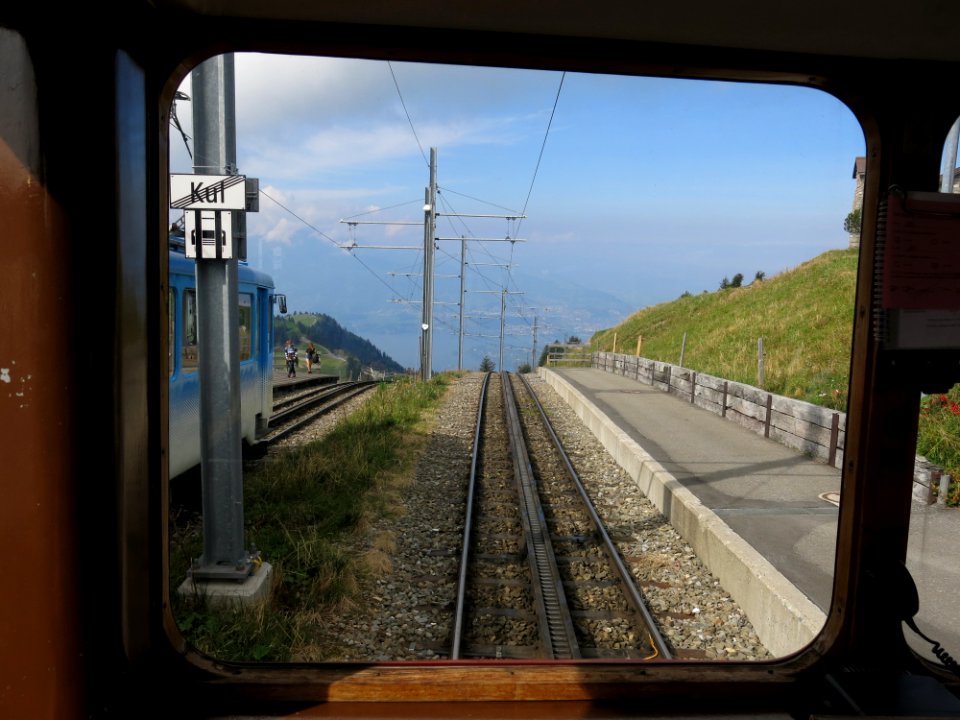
208	192
919	260
213	239
253	195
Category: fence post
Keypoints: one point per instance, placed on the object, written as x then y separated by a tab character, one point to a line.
766	425
760	373
923	493
944	489
639	343
668	367
723	411
614	343
693	386
834	437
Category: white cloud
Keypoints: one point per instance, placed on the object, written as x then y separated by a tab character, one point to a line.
365	147
281	232
277	91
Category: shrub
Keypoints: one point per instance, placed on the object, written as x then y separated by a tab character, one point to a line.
938	434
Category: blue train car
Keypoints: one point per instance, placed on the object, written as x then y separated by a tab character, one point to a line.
256	298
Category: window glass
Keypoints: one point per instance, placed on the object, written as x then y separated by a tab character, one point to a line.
247	328
189	357
936	493
693	245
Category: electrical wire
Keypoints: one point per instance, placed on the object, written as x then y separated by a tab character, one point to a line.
409	120
485	202
176	120
491	283
332	241
389	207
542	147
942	655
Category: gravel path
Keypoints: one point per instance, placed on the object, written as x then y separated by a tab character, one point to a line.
404	610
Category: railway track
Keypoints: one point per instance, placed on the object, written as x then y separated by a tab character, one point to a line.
539	575
293	412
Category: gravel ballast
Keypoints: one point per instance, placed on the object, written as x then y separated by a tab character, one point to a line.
404	604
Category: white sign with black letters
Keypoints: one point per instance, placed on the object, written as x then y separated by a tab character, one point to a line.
208	192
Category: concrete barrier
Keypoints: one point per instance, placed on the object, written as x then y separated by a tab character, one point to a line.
784	618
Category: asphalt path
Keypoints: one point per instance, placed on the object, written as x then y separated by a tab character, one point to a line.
777	499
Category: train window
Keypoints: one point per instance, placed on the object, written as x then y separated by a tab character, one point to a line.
189	356
692	243
247	328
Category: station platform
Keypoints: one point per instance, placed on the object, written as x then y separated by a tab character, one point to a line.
282	383
762	516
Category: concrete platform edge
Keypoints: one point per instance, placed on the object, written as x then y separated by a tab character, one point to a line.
783	617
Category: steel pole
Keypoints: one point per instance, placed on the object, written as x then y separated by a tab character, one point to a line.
463	278
429	232
503	312
218	340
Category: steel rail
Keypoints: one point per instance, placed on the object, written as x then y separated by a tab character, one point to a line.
336	399
468	528
300	404
633	593
556	627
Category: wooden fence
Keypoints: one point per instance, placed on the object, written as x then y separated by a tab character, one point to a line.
570	359
817	431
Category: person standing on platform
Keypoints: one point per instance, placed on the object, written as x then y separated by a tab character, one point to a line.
290	353
311	356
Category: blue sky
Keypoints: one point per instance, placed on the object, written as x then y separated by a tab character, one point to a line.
647	188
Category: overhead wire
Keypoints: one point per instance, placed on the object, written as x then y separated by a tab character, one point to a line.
489	283
332	241
396	84
543	146
533	181
485	202
388	207
176	120
510	280
470	235
409	119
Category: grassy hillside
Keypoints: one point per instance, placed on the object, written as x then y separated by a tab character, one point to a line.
804	315
331	337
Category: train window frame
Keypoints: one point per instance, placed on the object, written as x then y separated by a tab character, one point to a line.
90	619
173	356
447	680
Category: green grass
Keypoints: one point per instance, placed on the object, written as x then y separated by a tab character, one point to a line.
804	315
938	435
302	510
